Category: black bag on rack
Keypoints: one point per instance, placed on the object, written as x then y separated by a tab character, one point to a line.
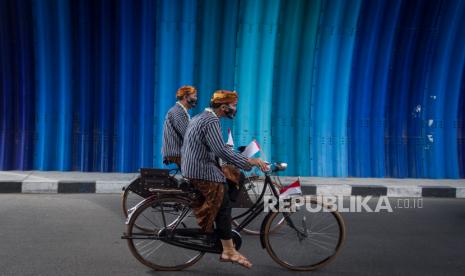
157	179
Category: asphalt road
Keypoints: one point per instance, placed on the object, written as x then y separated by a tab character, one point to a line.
79	234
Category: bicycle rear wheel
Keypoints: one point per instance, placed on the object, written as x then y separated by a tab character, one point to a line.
309	238
147	247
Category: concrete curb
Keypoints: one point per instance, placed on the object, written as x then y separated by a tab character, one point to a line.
116	186
62	187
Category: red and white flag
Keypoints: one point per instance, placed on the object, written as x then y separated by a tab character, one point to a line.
292	189
251	149
230	139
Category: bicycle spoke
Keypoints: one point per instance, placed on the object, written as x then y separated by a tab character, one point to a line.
326	227
146	243
152	251
327	235
320	241
154	224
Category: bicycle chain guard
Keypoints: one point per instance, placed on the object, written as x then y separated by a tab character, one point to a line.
195	239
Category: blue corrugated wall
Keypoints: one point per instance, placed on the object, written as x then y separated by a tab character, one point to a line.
334	87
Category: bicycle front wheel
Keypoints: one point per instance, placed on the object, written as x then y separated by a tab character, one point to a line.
308	239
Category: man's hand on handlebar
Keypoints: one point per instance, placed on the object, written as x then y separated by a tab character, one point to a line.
259	163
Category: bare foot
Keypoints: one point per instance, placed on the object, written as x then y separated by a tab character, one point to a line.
234	256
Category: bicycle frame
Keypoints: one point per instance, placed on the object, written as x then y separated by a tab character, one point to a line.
255	210
251	214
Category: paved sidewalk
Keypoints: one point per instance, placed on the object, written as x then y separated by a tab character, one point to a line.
84	182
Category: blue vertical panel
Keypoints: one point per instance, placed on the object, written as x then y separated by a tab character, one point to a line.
285	94
147	86
359	127
322	112
103	153
211	13
86	84
215	53
127	92
88	78
80	23
228	38
45	48
305	89
132	147
187	28
187	31
461	127
262	102
247	66
64	89
452	93
254	76
359	161
170	55
7	88
400	86
227	54
23	148
167	64
418	94
341	86
82	116
436	107
382	72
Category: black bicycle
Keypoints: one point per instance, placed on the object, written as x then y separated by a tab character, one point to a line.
304	237
253	188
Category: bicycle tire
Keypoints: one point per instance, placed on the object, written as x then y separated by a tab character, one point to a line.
309	267
136	252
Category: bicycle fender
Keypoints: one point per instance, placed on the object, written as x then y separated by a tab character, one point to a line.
134	181
131	211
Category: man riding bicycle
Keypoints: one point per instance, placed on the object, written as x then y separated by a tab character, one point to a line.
175	125
203	146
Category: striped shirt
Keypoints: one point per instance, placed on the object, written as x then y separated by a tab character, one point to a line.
174	128
203	144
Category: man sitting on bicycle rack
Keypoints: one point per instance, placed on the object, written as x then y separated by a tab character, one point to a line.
203	145
175	125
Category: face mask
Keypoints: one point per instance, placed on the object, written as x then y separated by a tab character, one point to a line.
231	112
192	102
